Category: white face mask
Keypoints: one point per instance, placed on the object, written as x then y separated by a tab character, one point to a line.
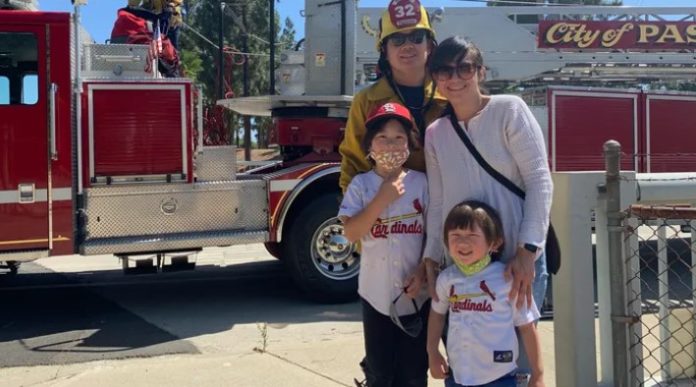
390	160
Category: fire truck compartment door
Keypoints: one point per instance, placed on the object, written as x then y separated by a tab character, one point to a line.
137	129
24	162
582	121
670	132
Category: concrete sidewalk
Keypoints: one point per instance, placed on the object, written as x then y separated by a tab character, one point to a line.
254	340
295	356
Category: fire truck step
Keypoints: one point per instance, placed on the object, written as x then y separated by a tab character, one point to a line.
159	262
179	262
141	265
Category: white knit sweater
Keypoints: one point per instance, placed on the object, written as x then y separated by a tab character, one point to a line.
509	138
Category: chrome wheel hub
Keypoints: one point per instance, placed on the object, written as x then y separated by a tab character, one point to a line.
332	254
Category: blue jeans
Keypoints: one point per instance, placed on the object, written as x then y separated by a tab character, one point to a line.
508	380
538	293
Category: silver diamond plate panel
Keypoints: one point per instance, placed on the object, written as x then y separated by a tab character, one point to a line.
170	242
125	211
216	163
115	59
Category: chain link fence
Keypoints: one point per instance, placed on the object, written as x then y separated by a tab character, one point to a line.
660	276
652	275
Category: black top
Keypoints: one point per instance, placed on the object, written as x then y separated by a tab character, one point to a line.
414	97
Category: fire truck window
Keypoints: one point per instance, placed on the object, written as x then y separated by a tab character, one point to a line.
30	89
18	68
4	90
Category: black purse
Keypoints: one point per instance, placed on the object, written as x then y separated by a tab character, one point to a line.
552	248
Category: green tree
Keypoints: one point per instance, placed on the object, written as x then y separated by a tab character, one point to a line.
286	41
199	56
192	63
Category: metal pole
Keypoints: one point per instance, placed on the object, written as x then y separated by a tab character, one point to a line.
77	92
343	47
665	357
271	39
612	159
221	59
245	67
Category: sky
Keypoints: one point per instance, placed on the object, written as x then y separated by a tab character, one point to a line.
98	15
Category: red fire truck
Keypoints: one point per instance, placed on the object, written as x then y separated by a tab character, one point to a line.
99	157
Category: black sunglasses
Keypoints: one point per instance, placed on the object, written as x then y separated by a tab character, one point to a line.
464	70
415	37
411	324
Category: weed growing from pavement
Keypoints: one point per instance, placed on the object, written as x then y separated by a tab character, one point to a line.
263	330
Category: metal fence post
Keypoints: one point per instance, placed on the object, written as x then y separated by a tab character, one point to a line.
612	158
634	301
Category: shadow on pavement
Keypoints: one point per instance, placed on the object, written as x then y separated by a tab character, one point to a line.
51	318
75	325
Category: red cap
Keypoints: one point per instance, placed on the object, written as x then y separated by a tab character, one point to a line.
389	110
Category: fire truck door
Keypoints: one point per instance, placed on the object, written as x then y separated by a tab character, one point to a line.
24	139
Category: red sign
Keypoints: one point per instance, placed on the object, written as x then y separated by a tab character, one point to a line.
635	35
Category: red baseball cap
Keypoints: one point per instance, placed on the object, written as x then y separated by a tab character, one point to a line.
390	110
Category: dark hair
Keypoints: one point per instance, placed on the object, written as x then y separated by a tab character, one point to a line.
377	126
453	50
470	212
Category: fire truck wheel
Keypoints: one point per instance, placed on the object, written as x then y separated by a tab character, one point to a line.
320	259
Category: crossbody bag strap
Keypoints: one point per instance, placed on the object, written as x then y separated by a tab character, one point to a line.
483	163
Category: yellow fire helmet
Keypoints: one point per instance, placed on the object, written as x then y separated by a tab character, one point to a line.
403	15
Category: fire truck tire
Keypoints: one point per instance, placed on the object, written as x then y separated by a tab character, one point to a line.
318	256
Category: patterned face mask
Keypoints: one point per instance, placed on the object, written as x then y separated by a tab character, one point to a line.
390	160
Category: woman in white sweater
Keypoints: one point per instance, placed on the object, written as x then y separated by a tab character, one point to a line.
508	137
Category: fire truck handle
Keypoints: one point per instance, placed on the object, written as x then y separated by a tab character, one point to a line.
52	104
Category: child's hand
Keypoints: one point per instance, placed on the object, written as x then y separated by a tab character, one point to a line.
415	281
439	368
536	381
392	187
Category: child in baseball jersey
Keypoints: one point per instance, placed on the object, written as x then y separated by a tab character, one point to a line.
482	346
384	210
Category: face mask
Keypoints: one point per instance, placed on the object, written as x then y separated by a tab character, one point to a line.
475	267
390	160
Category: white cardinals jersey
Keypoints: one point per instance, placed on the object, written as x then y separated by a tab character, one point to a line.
392	250
481	341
